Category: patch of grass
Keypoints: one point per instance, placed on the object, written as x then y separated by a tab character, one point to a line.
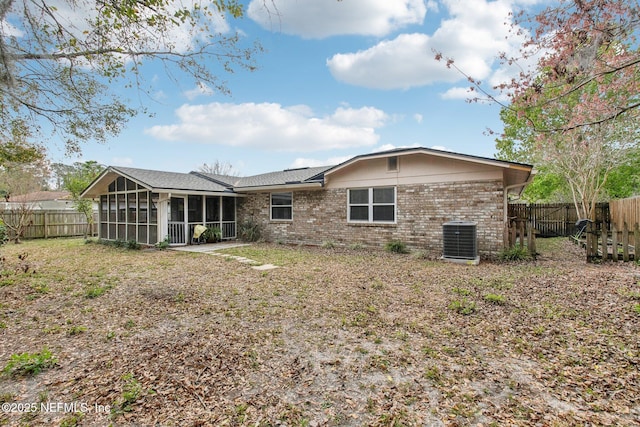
461	291
28	364
516	253
95	291
396	246
76	330
328	244
72	420
636	308
463	306
495	299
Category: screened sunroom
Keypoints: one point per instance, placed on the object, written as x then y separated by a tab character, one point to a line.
151	206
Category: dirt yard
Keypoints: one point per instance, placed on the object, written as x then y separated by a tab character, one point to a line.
333	337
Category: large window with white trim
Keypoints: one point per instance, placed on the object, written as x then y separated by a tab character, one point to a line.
372	205
282	206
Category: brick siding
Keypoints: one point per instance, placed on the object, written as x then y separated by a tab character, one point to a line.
320	216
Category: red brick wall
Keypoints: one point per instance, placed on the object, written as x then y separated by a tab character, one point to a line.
321	215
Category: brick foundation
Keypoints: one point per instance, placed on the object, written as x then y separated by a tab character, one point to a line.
320	216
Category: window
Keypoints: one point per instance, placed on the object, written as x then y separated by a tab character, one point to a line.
282	206
392	164
372	204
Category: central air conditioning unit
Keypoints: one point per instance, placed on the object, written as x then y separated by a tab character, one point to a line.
459	242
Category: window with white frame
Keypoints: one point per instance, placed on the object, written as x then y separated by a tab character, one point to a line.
376	204
282	206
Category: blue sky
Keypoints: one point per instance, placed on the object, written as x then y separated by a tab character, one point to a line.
336	79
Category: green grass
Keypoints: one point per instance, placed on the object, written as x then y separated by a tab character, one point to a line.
27	364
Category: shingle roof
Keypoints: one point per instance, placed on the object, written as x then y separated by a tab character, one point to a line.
287	176
169	180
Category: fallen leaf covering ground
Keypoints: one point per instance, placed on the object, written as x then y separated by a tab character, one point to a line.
335	337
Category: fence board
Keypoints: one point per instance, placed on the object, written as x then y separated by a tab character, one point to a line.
625	210
554	219
54	223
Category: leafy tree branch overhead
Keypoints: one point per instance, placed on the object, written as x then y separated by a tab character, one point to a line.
59	58
574	44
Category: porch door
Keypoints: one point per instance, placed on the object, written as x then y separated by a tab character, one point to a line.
177	223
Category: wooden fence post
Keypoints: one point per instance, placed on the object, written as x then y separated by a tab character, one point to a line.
604	243
636	241
614	243
625	243
45	224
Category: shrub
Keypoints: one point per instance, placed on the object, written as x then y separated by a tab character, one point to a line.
396	246
164	244
25	364
133	245
516	253
212	235
250	230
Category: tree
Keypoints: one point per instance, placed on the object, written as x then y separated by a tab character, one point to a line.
575	44
218	168
59	60
17	180
583	157
584	42
75	181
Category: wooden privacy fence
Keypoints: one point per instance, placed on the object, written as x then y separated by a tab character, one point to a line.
625	210
554	219
616	244
53	223
518	232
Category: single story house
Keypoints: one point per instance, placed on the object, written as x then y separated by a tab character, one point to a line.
371	199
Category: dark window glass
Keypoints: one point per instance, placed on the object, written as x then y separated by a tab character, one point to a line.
281	199
384	213
132	208
153	212
143	207
212	209
228	209
195	208
359	197
383	195
359	213
280	213
177	209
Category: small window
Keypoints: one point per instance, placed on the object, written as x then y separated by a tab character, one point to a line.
372	205
392	164
282	206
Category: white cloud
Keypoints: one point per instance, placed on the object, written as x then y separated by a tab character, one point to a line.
321	18
418	118
457	93
388	147
270	126
201	89
473	34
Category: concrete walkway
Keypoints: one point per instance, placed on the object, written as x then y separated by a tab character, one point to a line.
211	248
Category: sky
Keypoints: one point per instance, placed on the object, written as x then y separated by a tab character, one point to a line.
336	79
